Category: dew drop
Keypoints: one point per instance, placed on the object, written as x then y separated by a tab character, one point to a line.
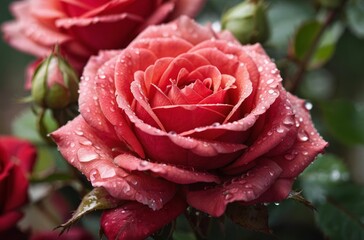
288	120
85	155
172	133
280	129
308	105
72	145
93	174
228	196
289	157
270	81
144	164
79	132
302	136
86	143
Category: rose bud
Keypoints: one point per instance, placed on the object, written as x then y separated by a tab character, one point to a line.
54	83
185	116
247	21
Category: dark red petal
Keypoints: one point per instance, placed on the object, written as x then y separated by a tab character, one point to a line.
278	122
308	142
246	188
134	221
277	192
15	188
93	156
9	219
99	32
170	172
22	150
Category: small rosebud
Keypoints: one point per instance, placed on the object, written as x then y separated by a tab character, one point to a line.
247	21
54	83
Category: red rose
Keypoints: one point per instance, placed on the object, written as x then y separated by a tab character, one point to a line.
73	234
84	27
185	115
17	158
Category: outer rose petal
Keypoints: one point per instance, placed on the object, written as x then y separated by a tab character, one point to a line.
93	156
171	173
246	188
134	221
308	143
9	219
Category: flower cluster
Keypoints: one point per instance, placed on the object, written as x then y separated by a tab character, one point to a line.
173	115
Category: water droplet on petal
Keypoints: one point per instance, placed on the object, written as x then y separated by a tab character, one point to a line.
280	129
86	155
288	120
79	132
289	157
228	196
308	106
144	164
302	136
172	133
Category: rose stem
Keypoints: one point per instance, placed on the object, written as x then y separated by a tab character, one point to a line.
296	80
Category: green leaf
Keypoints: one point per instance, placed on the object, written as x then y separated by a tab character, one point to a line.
344	120
305	38
250	217
97	199
343	218
24	126
355	17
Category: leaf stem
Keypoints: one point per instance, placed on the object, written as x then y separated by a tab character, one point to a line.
297	78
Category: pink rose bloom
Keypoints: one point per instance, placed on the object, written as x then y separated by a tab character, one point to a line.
84	27
17	158
186	116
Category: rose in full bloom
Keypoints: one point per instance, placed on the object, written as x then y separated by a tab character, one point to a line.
84	27
186	116
17	158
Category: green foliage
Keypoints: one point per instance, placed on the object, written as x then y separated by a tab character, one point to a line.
355	15
340	205
344	119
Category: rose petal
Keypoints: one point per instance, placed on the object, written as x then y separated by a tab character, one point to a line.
170	172
245	188
180	118
99	32
308	142
163	47
93	156
109	108
9	219
276	193
88	101
133	221
188	30
278	122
